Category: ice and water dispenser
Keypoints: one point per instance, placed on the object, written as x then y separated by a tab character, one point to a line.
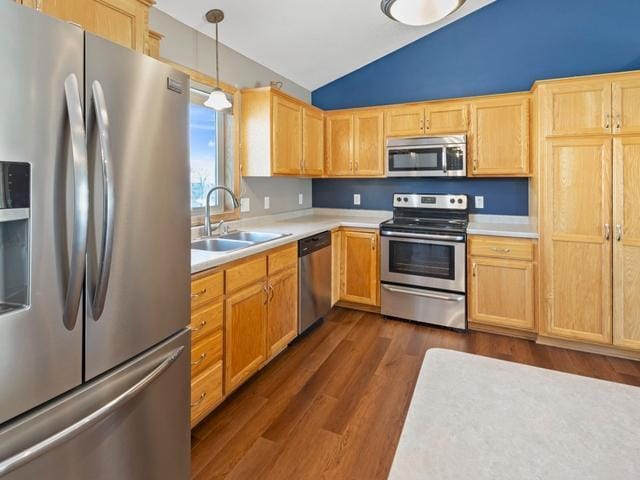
14	235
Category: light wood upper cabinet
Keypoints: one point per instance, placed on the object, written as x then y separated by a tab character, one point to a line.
339	144
626	249
122	21
369	143
245	333
312	142
405	121
287	136
282	319
441	118
498	142
360	260
580	107
154	44
626	106
577	233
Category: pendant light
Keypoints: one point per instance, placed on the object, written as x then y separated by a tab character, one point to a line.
218	99
419	12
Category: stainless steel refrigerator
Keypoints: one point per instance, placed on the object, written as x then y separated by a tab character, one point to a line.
94	257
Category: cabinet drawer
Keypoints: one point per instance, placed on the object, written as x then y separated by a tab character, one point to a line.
501	248
246	274
285	258
206	391
205	289
205	353
206	321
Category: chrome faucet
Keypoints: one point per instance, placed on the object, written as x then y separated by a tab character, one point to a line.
207	208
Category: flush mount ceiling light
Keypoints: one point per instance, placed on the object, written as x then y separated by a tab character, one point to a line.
419	12
217	100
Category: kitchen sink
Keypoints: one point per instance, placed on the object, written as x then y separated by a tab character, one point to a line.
253	237
220	245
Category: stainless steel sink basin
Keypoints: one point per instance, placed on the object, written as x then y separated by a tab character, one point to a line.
253	237
220	245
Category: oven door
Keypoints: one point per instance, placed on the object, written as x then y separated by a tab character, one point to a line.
423	260
427	161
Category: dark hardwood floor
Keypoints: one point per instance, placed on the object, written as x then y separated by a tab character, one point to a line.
333	404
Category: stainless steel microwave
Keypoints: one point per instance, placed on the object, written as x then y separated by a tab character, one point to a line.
427	156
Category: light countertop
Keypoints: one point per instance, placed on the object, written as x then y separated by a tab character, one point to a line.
502	226
297	225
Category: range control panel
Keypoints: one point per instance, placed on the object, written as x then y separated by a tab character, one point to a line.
425	200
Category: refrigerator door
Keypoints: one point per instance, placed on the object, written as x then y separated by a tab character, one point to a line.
138	256
41	124
130	424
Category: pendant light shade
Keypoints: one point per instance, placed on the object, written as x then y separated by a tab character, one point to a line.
218	99
419	12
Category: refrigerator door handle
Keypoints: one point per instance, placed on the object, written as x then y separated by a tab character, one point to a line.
35	451
81	202
102	120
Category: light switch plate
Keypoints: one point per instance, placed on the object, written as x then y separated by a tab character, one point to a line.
356	199
479	201
245	205
267	201
300	199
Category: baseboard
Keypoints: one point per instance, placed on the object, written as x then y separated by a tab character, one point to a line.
358	306
589	348
509	332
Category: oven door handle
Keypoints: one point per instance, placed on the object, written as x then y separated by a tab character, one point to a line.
421	293
426	236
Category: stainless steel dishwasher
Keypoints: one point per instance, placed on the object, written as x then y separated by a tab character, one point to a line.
314	256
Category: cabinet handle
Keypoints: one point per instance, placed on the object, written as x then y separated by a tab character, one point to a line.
199	294
618	122
607	231
428	124
619	232
421	124
373	244
475	269
607	121
200	400
271	292
265	289
357	166
202	325
503	250
203	356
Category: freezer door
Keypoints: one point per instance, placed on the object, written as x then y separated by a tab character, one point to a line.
130	424
42	88
138	256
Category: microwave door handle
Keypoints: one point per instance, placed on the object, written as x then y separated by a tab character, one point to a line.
80	202
444	160
102	120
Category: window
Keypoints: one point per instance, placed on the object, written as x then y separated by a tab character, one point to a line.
206	151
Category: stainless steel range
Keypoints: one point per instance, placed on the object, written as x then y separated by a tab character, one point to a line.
423	259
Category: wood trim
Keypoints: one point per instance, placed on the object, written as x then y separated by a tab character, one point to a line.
481	327
584	346
358	306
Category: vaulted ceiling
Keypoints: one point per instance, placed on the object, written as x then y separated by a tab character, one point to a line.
311	42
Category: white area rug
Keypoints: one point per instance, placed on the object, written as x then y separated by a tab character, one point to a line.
473	417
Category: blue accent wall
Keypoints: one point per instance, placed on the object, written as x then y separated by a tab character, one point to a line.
503	47
501	196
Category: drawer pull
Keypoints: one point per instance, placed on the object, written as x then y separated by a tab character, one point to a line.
200	400
200	360
199	294
202	325
501	250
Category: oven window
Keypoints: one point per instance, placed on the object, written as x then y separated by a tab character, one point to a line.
420	159
422	259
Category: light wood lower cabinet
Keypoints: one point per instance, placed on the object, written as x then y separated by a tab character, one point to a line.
282	317
360	267
336	265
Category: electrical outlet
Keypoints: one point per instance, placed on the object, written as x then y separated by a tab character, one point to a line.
267	200
300	199
356	199
479	201
245	205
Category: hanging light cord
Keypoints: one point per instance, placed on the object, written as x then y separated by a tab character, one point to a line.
217	59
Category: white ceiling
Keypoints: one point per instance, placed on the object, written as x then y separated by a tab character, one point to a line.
311	42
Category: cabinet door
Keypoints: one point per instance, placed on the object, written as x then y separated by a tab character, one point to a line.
339	144
369	143
577	239
282	323
312	142
121	21
360	264
626	106
405	121
499	137
286	136
245	333
626	250
582	107
502	292
336	265
446	118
